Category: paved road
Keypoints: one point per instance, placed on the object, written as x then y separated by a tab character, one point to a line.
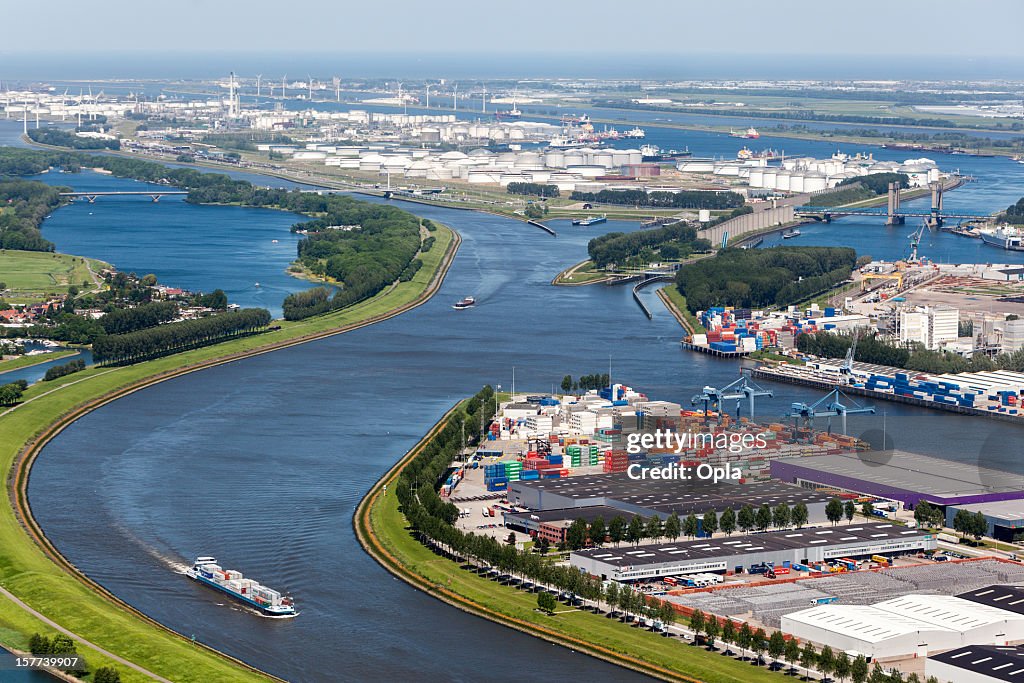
49	622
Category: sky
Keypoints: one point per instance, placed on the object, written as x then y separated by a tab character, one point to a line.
525	36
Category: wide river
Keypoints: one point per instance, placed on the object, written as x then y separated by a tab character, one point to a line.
262	462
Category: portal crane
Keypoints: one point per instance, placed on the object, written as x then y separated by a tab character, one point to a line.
830	405
736	390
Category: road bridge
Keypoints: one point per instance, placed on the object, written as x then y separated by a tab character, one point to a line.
155	195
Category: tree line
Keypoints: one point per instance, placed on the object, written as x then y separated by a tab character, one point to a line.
873	349
125	320
58	137
753	278
1014	213
23	206
684	199
637	529
585	382
534	189
58	371
133	347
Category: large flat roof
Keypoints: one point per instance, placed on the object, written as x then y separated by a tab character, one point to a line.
1001	662
682	496
913	472
947	611
870	624
1011	511
731	546
587	513
1009	598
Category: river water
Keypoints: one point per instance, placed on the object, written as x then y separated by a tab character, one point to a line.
261	462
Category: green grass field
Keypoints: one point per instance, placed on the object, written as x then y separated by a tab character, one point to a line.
28	573
388	526
33	275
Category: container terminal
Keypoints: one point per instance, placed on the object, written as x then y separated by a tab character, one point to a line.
876	585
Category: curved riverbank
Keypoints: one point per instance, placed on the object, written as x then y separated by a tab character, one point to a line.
40	576
381	529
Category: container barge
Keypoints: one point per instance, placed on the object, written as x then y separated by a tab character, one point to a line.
592	220
205	570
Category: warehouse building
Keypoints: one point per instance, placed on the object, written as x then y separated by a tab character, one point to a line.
661	497
552	524
911	625
906	478
1009	598
1005	518
977	664
815	544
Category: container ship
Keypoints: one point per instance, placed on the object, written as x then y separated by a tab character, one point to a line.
206	570
1005	238
591	220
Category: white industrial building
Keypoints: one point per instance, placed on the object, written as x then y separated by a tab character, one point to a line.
912	625
977	664
932	326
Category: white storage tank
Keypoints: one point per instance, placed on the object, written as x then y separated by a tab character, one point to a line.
814	182
756	178
554	159
769	178
796	182
587	170
604	158
782	179
635	156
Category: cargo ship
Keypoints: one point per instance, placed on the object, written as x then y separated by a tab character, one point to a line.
1005	238
592	220
750	133
790	234
206	570
655	153
468	302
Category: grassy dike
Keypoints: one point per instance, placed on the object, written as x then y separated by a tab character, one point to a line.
33	570
29	361
383	532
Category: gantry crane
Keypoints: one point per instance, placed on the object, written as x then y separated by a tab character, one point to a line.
830	405
736	390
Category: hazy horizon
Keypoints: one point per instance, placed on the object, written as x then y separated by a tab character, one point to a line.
572	38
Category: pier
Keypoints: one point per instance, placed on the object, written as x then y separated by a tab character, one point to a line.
640	285
767	373
690	346
543	227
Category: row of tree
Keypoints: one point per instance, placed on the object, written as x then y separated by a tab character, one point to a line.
534	189
58	137
683	199
779	648
125	320
747	519
752	278
134	347
23	206
873	349
58	371
585	382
